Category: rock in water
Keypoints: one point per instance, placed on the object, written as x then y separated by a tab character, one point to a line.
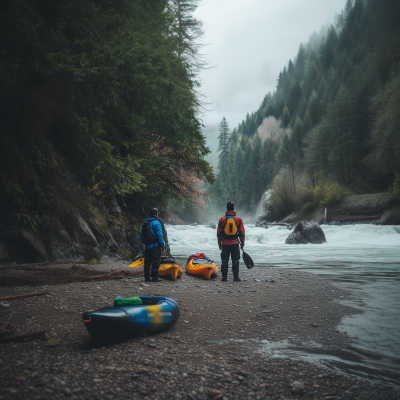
306	232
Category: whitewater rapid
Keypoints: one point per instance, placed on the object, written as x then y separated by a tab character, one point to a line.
267	246
364	259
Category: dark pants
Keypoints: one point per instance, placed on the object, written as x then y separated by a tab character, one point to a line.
152	256
233	251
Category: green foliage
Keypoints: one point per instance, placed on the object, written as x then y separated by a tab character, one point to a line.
338	102
285	119
334	193
325	194
385	137
295	191
305	198
54	341
223	148
95	101
394	190
283	194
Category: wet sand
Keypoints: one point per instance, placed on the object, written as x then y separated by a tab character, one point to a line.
214	348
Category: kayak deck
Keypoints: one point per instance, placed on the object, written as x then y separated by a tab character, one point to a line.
155	314
166	270
203	270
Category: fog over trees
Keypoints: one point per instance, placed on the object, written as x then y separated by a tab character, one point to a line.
335	105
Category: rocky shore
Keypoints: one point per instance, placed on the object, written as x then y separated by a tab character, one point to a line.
217	349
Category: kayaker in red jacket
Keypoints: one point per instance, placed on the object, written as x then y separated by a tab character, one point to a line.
230	231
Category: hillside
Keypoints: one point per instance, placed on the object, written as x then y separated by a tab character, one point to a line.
332	119
99	105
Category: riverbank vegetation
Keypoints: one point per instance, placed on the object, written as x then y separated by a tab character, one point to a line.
97	100
332	125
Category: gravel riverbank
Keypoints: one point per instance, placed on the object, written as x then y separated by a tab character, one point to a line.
214	349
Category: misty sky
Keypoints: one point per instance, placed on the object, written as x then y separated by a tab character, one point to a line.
249	43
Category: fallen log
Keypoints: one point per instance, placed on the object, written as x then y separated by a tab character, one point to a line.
343	218
51	276
20	296
22	266
23	335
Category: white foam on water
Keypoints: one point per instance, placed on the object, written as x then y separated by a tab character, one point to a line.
344	243
364	259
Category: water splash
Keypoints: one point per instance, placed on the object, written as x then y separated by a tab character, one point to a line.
263	207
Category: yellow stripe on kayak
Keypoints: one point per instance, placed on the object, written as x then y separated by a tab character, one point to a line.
138	263
153	313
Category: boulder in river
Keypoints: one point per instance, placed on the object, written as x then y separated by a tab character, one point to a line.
306	232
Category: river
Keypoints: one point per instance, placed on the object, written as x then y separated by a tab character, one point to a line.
365	259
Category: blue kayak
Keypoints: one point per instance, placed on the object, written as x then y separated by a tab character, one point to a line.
155	314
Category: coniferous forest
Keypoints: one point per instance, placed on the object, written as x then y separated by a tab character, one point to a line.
332	125
98	99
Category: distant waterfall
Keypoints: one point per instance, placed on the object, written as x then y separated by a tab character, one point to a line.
263	205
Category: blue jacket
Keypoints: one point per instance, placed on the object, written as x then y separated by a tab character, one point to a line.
155	227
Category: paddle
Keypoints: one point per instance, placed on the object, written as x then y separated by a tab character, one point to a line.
247	260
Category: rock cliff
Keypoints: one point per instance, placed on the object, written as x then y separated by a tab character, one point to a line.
88	239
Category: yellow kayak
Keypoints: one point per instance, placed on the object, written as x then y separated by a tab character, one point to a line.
202	267
167	270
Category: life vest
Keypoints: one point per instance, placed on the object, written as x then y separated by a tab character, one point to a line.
230	230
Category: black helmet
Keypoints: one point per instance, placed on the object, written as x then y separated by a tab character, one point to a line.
230	205
154	211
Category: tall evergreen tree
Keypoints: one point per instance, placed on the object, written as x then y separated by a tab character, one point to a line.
285	120
223	148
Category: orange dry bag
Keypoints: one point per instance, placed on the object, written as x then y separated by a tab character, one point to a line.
230	231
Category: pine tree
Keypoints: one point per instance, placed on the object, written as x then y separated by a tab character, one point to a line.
239	172
285	120
223	148
254	171
341	129
188	29
246	189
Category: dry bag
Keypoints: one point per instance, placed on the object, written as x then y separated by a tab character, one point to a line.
230	231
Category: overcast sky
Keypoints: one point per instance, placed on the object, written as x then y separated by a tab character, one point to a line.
249	42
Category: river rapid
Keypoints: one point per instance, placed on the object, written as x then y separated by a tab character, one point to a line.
364	259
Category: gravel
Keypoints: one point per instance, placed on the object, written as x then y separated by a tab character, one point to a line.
216	353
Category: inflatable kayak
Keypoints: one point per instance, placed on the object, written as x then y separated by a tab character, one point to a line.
202	267
168	267
155	314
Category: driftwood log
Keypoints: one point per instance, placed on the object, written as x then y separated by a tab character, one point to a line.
343	218
52	275
23	336
22	266
20	296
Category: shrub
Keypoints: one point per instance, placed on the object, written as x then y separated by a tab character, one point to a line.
394	191
334	193
305	198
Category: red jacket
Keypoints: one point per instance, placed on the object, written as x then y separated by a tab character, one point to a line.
221	226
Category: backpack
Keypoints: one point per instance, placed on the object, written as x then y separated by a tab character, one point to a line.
230	231
147	234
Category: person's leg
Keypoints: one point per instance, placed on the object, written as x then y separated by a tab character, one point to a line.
156	263
235	252
148	259
225	260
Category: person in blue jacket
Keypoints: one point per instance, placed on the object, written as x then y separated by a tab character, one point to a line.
151	236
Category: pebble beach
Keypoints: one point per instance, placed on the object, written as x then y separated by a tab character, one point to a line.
215	350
